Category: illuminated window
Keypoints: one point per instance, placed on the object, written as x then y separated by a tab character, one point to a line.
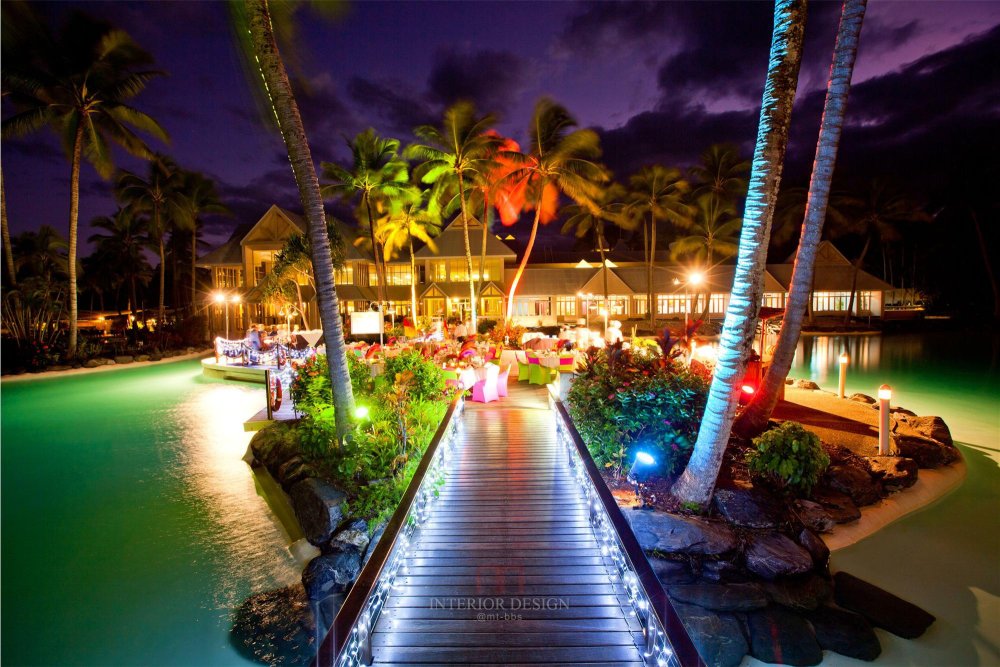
344	275
439	271
395	274
837	301
639	305
670	304
566	306
532	306
773	300
228	277
717	304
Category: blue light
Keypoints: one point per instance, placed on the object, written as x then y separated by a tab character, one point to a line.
644	458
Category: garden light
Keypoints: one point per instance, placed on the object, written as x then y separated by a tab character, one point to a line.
884	395
696	277
748	389
361	412
220	297
644	458
841	386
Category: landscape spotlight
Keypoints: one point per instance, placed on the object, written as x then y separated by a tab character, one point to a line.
642	461
361	412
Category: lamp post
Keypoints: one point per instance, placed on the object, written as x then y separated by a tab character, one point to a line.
844	359
220	299
884	396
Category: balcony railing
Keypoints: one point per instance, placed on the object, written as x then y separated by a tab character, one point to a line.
349	641
667	643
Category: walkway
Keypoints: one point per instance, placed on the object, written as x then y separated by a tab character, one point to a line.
507	570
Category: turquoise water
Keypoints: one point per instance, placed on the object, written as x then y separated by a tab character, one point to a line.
945	558
131	528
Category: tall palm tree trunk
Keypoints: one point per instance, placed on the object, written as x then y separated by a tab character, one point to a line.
379	267
604	271
649	268
74	218
698	480
8	252
162	310
524	262
290	122
468	249
413	281
754	418
194	265
854	279
486	229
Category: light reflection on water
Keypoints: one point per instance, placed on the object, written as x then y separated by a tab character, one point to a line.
955	375
131	526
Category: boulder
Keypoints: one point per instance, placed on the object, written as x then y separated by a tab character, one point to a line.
671	571
94	363
675	533
926	452
816	547
838	506
931	427
720	597
813	516
845	633
716	570
373	542
881	608
862	398
331	574
717	636
799	593
748	507
351	534
773	555
805	384
855	482
781	636
274	445
59	367
895	472
155	357
276	627
293	470
123	359
902	412
318	507
142	357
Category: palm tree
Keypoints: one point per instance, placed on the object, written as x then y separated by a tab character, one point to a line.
558	161
377	172
255	33
456	157
79	85
41	254
123	247
8	252
583	220
755	416
410	218
698	480
875	214
715	232
202	198
722	173
656	194
161	196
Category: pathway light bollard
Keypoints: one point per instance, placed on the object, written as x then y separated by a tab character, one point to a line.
884	395
844	359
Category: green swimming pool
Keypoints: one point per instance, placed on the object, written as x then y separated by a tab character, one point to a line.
131	527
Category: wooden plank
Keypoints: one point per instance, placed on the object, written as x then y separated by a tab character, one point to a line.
499	640
533	655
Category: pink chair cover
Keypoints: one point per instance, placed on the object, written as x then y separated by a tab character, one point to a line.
502	381
485	391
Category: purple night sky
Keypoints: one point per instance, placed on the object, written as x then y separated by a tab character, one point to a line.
659	81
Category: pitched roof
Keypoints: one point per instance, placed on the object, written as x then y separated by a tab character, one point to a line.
451	243
538	281
831	278
229	253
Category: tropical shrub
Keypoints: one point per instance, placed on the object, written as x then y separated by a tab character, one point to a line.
623	402
484	326
509	331
428	379
789	456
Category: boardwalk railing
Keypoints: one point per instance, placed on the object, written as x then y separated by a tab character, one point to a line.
349	641
667	642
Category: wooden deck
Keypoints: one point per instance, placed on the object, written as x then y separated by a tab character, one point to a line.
507	569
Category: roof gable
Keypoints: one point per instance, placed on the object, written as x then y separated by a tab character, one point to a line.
615	284
451	242
275	226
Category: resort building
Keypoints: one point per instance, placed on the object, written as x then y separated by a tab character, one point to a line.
555	288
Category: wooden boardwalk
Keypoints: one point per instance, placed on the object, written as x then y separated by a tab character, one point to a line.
507	569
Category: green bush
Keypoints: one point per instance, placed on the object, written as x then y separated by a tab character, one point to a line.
789	456
484	326
623	402
428	379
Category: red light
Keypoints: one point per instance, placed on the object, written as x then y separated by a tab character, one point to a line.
747	389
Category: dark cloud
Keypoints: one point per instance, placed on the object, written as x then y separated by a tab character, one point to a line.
400	109
327	118
489	78
599	26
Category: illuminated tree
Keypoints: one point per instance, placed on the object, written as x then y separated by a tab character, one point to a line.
559	161
656	194
410	217
255	32
698	480
754	418
377	172
457	157
78	84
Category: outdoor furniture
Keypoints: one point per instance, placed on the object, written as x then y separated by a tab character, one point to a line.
451	379
567	363
538	374
485	390
523	369
502	381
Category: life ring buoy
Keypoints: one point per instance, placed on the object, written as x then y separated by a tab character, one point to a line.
280	357
274	393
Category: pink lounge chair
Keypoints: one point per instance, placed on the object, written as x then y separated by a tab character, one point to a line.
502	381
485	390
567	363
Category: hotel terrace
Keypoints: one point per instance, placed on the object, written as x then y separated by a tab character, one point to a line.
556	287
